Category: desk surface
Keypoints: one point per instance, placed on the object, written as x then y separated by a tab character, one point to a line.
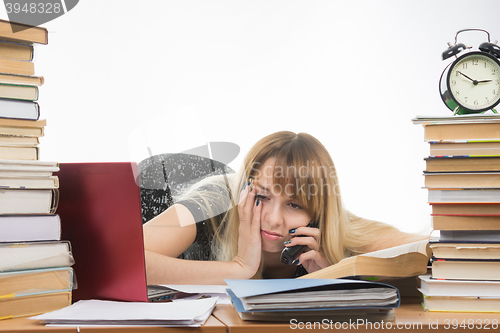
26	325
409	317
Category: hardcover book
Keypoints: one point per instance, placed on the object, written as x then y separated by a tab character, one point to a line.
468	288
30	228
28	201
50	182
18	92
464	196
27	80
18	109
466	209
21	127
469	127
466	222
466	269
16	51
465	148
33	304
18	67
462	164
32	34
33	282
460	250
461	303
22	141
34	255
462	180
10	152
400	261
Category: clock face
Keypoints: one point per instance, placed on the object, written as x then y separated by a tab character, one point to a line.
474	81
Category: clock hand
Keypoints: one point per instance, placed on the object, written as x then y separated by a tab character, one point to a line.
467	76
474	82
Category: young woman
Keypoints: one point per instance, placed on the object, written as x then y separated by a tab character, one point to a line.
287	187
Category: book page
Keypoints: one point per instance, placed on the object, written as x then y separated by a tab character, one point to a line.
420	246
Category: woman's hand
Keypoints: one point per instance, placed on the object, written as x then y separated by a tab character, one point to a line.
249	239
313	258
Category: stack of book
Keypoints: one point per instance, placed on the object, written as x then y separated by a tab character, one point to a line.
35	272
462	177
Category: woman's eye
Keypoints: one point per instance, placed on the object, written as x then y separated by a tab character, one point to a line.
295	206
261	197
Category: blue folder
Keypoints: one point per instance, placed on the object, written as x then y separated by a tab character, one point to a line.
245	288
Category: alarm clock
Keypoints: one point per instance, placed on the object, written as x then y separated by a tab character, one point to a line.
471	83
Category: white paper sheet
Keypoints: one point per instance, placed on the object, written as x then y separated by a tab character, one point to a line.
203	291
97	312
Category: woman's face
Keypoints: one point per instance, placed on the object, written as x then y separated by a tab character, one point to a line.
280	212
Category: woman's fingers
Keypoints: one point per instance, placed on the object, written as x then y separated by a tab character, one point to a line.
257	210
312	261
243	196
247	200
247	211
249	241
305	236
307	231
310	242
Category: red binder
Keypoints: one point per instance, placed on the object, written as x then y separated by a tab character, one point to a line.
100	212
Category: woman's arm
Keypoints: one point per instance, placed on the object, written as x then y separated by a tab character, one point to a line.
166	237
172	232
161	269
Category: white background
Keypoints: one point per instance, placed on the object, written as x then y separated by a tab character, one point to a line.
172	75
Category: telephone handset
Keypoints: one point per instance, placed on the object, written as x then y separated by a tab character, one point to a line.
289	254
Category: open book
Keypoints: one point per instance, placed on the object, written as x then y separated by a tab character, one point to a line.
400	261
